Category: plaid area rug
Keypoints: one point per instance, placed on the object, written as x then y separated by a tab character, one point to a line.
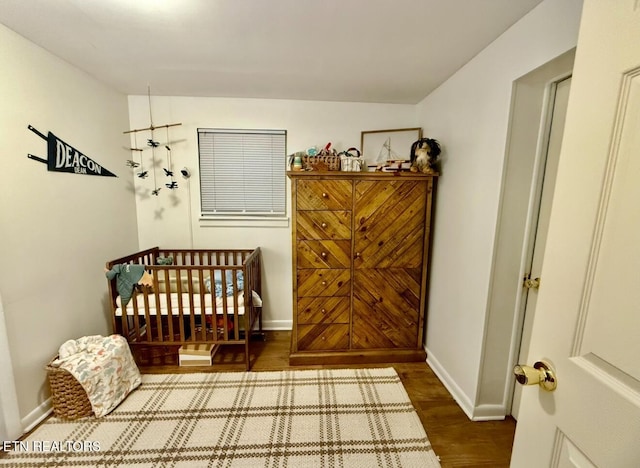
302	418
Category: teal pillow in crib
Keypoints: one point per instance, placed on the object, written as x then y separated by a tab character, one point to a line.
218	282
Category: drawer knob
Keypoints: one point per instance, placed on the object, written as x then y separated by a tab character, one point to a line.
357	254
324	311
324	254
324	283
325	195
324	225
324	338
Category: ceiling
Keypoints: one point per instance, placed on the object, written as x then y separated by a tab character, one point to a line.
330	50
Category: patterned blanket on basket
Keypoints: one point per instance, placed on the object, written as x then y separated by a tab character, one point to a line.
103	366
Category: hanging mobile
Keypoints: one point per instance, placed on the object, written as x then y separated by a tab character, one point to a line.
142	174
153	168
151	142
131	162
169	172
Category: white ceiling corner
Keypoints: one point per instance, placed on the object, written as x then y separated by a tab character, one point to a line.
334	50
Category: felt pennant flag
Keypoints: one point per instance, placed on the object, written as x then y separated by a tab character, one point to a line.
62	157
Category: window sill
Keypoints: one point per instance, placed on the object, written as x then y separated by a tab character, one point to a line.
244	221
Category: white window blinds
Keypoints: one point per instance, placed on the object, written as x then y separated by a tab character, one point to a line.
242	172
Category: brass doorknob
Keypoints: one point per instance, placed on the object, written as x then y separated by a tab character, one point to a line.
541	373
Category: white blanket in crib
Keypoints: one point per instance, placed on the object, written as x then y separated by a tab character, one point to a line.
201	304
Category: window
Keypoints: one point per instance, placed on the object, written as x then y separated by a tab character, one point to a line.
242	173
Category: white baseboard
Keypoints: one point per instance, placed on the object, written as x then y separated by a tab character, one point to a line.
38	415
277	325
456	392
489	413
474	413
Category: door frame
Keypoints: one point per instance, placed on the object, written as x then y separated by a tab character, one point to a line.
10	423
534	223
524	153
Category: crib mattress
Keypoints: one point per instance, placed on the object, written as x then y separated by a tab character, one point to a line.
187	299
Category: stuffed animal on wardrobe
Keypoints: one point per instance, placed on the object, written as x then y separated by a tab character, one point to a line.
424	155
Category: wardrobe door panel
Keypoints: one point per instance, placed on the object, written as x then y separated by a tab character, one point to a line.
389	224
386	305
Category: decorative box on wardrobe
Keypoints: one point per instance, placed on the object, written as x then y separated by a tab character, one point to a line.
360	266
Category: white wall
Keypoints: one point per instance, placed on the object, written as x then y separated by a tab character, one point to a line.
57	229
469	115
165	220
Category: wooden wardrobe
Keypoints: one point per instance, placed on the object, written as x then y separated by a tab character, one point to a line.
360	261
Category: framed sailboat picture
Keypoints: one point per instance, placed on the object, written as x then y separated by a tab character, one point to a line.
379	147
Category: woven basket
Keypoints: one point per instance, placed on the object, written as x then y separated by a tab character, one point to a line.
321	163
68	398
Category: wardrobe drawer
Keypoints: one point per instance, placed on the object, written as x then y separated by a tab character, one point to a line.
323	225
324	254
324	194
324	282
323	310
323	337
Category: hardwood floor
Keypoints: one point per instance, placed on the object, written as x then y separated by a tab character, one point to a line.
458	441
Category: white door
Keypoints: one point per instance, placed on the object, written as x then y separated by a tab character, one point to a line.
587	322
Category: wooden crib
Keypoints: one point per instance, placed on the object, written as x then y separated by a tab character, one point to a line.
198	297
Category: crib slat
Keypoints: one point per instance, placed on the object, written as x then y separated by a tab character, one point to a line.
180	309
167	293
203	317
192	319
236	318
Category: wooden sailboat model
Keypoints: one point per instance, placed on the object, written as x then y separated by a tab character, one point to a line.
386	154
388	159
